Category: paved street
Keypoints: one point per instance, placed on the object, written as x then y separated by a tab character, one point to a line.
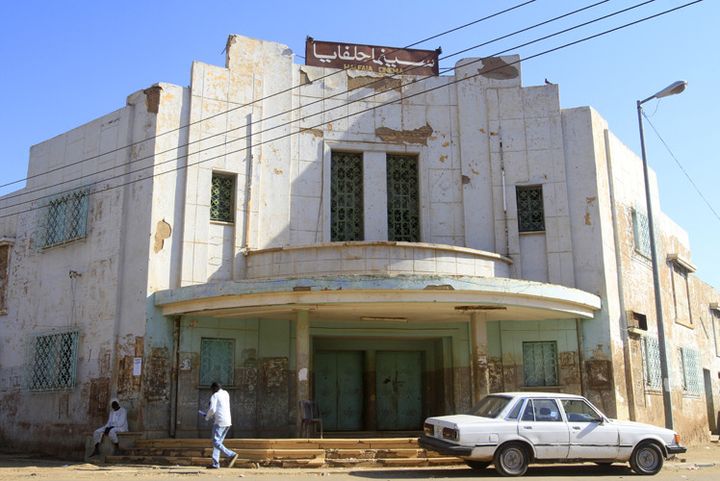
703	465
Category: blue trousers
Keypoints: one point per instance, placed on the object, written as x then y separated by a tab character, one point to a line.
218	436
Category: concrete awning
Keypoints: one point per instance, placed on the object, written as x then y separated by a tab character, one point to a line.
396	298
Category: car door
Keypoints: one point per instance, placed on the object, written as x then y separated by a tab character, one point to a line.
543	426
591	435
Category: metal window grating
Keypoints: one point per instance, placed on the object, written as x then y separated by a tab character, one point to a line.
540	363
222	198
346	197
653	375
66	218
403	198
53	362
691	370
641	231
217	361
531	214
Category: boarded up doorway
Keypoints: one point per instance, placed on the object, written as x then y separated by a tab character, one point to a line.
399	390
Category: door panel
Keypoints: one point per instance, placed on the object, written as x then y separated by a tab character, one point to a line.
590	438
338	389
543	426
399	390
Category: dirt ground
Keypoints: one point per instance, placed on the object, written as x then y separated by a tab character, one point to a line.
699	463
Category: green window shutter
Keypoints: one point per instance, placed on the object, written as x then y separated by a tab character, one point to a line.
641	232
691	370
653	376
540	363
217	361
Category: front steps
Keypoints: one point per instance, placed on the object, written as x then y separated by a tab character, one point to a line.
286	453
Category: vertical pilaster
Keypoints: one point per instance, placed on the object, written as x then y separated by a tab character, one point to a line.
479	365
302	358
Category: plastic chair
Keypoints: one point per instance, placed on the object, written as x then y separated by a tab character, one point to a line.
310	416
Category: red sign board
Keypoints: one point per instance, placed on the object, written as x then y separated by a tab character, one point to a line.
389	60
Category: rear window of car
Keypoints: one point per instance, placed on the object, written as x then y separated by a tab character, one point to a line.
490	406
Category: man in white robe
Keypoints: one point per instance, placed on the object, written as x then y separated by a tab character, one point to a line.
117	423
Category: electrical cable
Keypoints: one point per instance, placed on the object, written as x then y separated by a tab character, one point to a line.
305	106
545	52
667	147
290	89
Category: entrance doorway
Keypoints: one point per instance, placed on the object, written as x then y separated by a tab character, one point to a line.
711	413
339	389
399	390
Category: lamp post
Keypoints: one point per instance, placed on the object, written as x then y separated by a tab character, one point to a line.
672	89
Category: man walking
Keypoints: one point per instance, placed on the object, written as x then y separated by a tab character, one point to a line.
219	410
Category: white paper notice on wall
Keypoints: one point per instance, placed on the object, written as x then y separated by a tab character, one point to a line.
137	366
303	374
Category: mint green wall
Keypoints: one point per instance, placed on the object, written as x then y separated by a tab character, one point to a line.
511	335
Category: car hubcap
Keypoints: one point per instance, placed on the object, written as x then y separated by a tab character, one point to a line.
513	459
647	459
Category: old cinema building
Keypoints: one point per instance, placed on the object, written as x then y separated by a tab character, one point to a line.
388	245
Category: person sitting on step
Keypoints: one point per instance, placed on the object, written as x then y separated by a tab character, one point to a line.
117	423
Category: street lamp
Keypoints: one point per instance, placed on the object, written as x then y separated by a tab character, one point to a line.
672	89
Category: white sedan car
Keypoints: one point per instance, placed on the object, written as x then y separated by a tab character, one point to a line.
511	430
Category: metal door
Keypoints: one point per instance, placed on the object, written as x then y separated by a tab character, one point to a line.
339	389
399	390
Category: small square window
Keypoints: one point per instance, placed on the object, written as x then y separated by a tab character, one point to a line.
66	218
222	198
641	232
531	215
637	320
53	362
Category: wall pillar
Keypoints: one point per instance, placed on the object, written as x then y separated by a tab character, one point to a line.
478	362
302	360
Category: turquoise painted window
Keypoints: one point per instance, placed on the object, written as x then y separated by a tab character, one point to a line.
53	362
66	218
530	210
403	198
217	361
653	376
222	198
346	197
691	370
641	232
540	363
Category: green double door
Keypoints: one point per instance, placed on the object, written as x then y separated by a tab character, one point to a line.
342	396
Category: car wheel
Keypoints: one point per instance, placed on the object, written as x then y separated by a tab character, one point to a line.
477	464
646	459
511	459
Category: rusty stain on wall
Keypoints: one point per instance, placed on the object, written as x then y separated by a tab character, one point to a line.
156	375
162	232
379	84
599	373
316	132
273	416
496	68
589	202
99	398
152	98
416	136
495	374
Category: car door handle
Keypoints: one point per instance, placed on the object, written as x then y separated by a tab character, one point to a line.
576	428
527	427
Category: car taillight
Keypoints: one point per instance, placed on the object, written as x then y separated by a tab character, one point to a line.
677	439
449	433
428	429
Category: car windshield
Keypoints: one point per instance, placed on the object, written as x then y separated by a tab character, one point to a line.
490	406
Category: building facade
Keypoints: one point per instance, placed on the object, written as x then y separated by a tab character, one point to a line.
389	246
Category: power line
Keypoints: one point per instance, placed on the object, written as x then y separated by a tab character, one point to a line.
667	147
290	89
452	82
378	81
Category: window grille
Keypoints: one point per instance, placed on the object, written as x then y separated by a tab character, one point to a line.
653	375
346	197
691	370
641	231
217	361
53	362
403	198
222	198
540	363
531	215
4	276
66	218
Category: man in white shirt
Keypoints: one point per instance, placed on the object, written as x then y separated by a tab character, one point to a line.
117	423
220	410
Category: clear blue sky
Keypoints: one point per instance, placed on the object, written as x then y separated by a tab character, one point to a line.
65	63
